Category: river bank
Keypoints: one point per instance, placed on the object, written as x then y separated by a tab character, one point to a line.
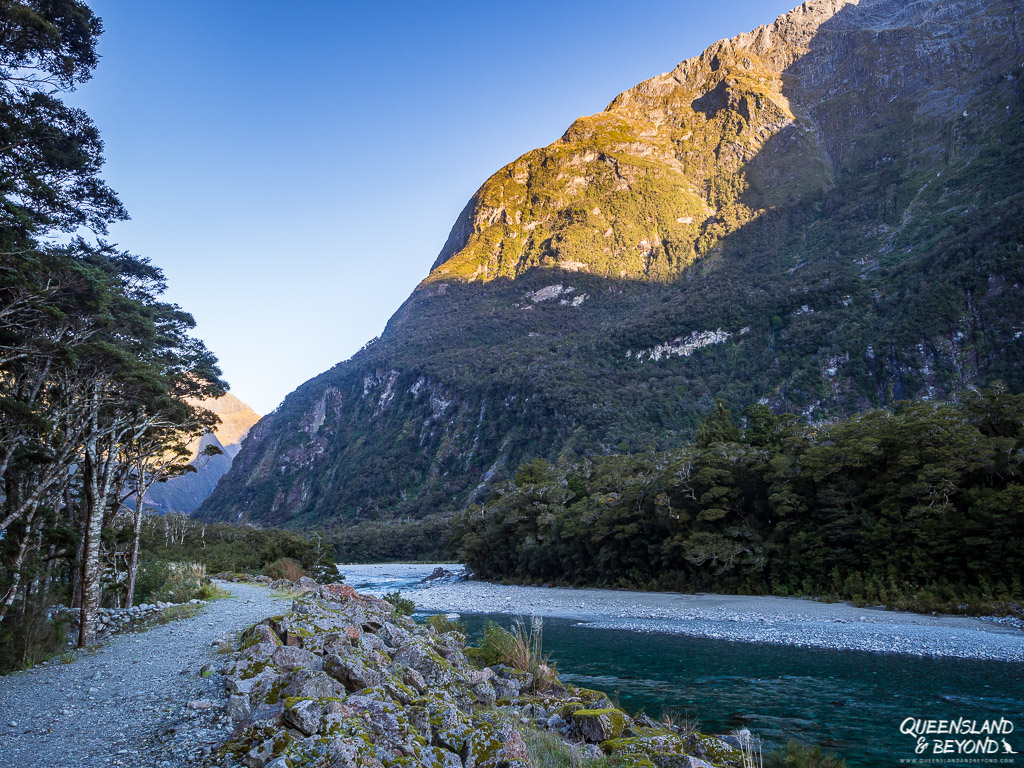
773	620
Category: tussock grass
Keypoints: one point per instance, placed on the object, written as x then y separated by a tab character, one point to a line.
520	647
285	568
546	750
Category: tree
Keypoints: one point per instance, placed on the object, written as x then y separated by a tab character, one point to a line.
98	377
717	427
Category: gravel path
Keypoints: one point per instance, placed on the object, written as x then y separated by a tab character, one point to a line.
126	704
777	620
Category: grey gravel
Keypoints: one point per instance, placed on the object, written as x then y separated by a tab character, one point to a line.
127	704
776	620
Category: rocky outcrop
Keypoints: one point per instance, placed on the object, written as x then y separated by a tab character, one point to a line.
342	681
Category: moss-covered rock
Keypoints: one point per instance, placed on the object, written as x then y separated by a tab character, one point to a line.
597	725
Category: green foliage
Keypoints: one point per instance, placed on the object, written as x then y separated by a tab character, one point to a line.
797	755
917	507
172	582
717	427
35	637
443	624
403	606
234	548
403	540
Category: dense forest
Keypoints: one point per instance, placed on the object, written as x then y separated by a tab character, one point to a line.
96	372
920	506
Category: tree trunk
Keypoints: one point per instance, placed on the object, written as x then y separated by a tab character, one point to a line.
133	558
16	570
91	566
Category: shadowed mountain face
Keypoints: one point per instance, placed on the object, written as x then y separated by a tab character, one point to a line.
823	215
184	494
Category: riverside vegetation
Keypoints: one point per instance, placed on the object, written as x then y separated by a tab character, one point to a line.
346	680
917	507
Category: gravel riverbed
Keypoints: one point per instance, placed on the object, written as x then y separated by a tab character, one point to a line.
778	620
127	704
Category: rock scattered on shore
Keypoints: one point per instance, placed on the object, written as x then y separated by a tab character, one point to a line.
342	681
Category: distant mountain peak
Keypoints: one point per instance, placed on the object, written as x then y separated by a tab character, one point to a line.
184	494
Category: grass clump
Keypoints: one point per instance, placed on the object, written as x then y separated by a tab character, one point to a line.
683	724
403	606
173	582
520	647
797	755
212	592
546	750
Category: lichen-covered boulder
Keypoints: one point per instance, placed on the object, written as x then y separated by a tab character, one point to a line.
238	708
414	680
450	728
288	658
484	694
311	683
352	672
258	633
662	748
303	715
435	670
597	725
244	685
714	749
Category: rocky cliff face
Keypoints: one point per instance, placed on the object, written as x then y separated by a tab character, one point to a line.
184	494
822	215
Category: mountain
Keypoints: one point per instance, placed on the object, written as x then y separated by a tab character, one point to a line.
822	215
184	494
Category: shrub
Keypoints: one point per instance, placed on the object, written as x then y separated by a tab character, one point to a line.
172	582
443	624
285	568
31	636
212	592
150	579
403	606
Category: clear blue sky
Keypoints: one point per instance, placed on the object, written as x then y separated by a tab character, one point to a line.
294	168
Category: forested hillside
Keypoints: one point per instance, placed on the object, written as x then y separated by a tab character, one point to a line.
822	216
919	507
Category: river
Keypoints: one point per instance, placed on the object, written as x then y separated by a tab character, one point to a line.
850	702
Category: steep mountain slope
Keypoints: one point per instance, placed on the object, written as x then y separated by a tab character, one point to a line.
184	494
823	215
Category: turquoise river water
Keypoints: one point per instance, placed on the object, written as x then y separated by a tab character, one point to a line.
851	703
